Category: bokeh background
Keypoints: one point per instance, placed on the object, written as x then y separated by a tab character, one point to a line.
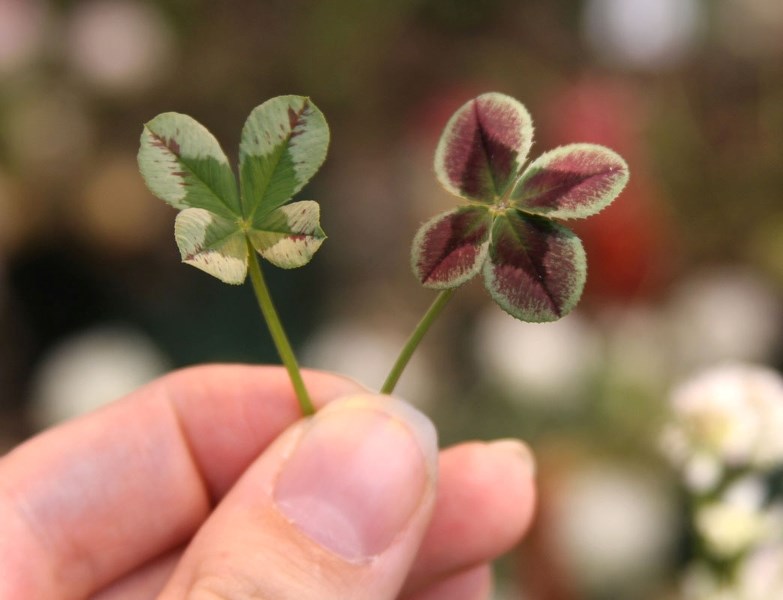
686	268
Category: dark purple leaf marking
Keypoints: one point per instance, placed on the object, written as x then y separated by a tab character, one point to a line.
480	158
536	267
449	249
573	181
164	143
295	118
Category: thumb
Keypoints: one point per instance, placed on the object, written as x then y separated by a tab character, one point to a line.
334	509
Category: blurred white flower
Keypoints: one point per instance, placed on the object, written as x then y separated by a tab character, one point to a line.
119	46
647	34
761	574
759	577
733	413
728	530
367	354
614	524
22	33
90	369
548	363
701	583
702	472
738	520
726	314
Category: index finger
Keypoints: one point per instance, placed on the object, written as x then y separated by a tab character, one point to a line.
88	501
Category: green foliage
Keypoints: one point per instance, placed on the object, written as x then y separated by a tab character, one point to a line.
284	142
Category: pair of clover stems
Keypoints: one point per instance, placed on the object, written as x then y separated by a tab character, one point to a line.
533	267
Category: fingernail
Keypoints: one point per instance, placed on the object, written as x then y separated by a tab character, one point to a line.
358	474
520	450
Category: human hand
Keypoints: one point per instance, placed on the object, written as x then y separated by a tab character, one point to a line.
206	484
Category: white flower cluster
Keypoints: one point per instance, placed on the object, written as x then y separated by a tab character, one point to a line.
727	417
613	524
760	577
740	519
725	434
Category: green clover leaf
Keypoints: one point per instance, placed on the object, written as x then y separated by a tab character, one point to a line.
284	142
533	267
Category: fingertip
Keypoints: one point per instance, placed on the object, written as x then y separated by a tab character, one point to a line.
417	423
229	413
353	457
243	380
486	500
517	449
350	489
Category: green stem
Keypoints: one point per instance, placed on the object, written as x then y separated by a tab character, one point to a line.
278	333
413	342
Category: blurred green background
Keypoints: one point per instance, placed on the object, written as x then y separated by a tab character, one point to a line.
686	268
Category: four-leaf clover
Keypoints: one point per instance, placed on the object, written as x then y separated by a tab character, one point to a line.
284	142
533	267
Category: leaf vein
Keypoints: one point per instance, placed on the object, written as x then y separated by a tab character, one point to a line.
294	118
161	141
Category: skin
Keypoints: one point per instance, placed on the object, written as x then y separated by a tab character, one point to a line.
160	494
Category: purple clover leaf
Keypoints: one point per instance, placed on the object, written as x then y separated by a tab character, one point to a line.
533	267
